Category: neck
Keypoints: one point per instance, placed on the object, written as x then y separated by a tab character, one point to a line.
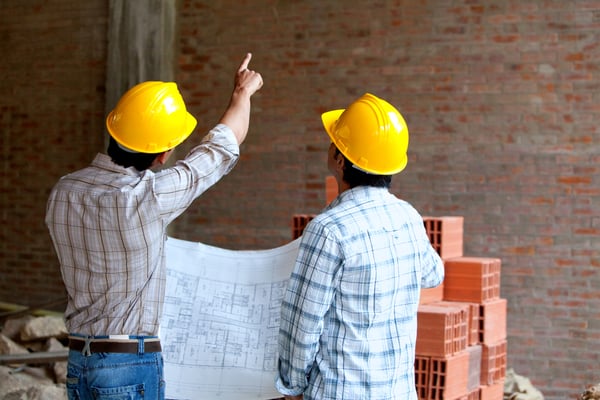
342	186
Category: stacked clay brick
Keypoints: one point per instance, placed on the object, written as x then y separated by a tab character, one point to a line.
461	334
299	221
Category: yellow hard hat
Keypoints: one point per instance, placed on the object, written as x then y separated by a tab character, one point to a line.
371	134
151	117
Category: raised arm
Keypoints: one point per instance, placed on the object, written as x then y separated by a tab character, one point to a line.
237	114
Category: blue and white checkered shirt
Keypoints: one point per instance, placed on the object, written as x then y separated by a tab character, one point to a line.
349	316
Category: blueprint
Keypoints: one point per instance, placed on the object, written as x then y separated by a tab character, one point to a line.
221	319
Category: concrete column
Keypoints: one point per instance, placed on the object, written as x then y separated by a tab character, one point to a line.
141	44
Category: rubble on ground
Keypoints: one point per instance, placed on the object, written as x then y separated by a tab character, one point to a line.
517	387
26	335
591	393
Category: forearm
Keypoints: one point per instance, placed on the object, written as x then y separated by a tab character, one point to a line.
237	114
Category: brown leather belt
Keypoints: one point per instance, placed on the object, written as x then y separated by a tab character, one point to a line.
152	346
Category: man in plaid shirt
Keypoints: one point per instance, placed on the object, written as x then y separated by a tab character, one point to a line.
108	223
349	316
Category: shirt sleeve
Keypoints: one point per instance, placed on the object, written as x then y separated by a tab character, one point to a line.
307	300
178	186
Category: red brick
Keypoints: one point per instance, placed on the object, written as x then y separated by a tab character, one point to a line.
472	279
299	222
441	330
461	318
493	362
492	321
474	395
492	392
445	235
422	376
473	335
434	331
449	376
432	295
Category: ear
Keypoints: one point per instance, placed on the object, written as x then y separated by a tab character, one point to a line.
163	157
339	163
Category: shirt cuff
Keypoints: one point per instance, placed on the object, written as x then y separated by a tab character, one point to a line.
285	391
224	130
223	136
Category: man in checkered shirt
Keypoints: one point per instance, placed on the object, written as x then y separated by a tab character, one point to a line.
349	316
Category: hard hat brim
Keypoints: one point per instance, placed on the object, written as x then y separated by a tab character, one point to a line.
190	125
329	119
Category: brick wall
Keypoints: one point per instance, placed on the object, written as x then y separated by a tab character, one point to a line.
500	98
51	111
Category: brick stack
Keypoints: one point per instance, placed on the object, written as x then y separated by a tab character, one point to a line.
299	221
446	236
461	336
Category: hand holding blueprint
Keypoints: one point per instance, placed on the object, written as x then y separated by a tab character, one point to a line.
221	320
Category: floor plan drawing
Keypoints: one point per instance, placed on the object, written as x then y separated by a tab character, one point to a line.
221	319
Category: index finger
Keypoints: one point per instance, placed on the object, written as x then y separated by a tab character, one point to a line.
244	64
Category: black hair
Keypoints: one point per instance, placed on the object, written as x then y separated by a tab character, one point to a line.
140	161
356	177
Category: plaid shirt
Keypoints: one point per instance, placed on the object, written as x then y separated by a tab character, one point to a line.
108	225
349	316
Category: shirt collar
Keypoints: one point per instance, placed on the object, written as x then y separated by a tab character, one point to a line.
359	193
104	161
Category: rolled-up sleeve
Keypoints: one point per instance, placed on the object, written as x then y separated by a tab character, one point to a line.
178	186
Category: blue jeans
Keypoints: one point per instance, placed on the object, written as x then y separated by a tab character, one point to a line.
115	376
